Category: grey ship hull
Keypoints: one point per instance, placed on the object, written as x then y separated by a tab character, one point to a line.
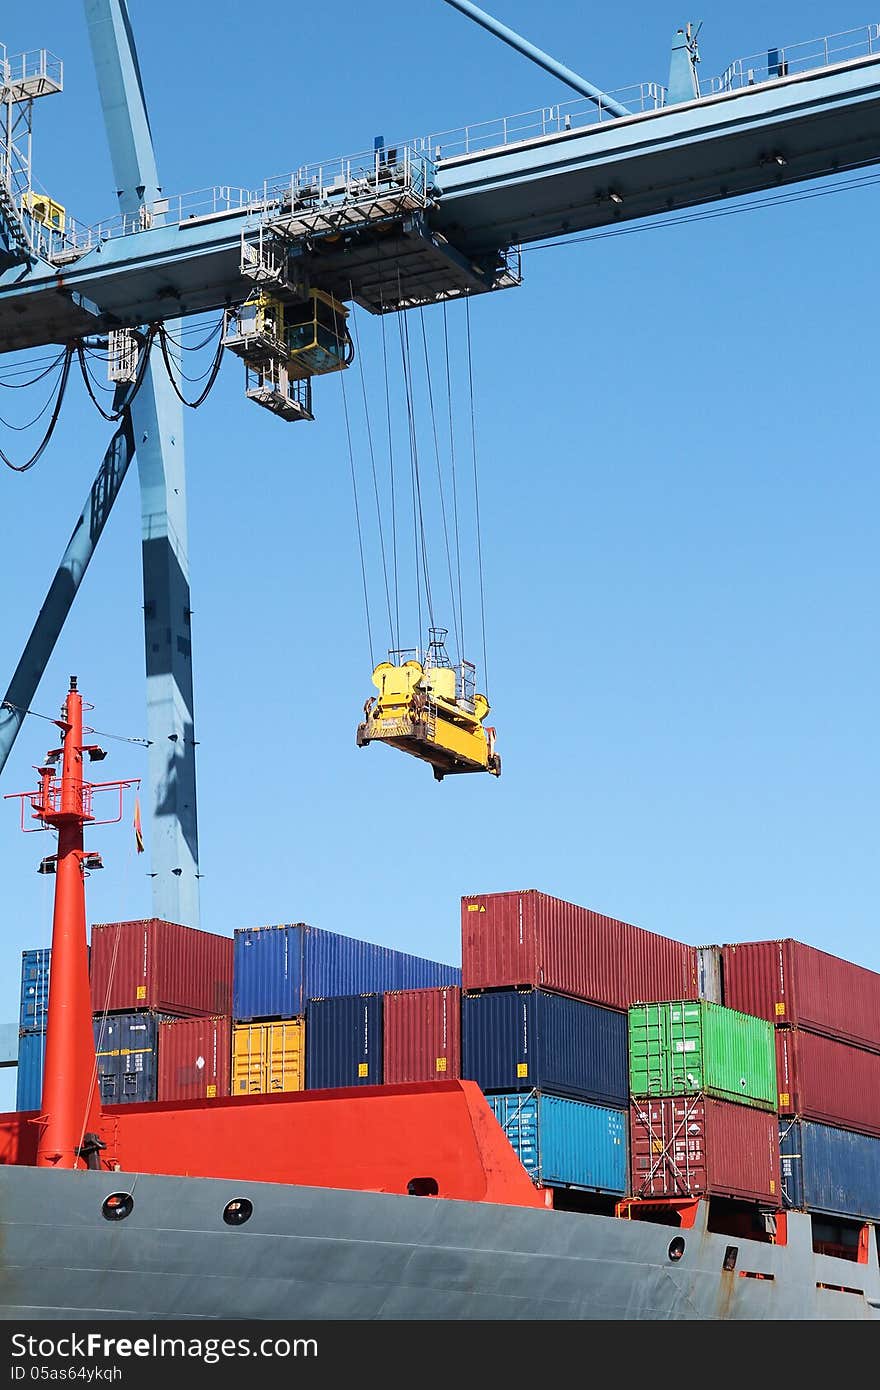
318	1253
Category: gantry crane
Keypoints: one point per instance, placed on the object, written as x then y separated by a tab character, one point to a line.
407	224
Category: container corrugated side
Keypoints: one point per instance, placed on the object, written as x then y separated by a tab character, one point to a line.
422	1035
31	1067
693	1146
789	982
680	1047
522	1040
159	965
829	1170
279	969
194	1058
126	1047
344	1041
822	1079
35	970
530	938
566	1143
268	1058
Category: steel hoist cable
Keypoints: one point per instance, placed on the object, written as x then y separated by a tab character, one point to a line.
455	621
470	367
418	510
454	483
360	359
357	510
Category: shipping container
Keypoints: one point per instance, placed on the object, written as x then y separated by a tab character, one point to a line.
695	1146
792	983
194	1056
126	1046
828	1170
523	1040
565	1143
344	1041
279	969
529	938
710	974
422	1035
268	1057
822	1079
34	1009
683	1046
31	1066
160	966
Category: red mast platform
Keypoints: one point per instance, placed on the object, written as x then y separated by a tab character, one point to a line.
71	1109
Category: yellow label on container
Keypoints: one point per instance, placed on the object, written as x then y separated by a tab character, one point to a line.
363	1069
780	1010
440	1064
656	1146
210	1092
784	1100
522	1068
772	1185
476	907
141	991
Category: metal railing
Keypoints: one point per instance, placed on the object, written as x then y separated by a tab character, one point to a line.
773	63
545	120
37	69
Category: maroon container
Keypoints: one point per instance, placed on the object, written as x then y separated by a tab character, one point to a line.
159	965
422	1035
693	1146
194	1058
822	1079
529	938
789	982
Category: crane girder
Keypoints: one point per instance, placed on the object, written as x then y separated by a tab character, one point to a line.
478	206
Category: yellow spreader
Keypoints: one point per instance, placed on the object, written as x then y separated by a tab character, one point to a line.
433	712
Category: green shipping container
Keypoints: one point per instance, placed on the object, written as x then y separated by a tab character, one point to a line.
686	1046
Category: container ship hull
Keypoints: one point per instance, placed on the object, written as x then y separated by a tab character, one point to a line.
327	1254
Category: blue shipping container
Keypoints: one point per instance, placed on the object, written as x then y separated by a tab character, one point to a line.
831	1171
127	1047
524	1040
277	970
34	989
31	1064
566	1143
344	1041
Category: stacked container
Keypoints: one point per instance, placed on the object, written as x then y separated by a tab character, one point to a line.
280	970
422	1035
703	1101
826	1013
33	1009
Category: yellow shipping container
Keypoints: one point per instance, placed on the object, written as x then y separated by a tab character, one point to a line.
268	1057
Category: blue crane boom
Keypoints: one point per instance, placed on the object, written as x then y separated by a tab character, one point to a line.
459	205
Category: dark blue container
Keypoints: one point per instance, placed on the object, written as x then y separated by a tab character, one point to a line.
566	1143
127	1048
831	1171
277	970
344	1041
525	1040
34	989
31	1065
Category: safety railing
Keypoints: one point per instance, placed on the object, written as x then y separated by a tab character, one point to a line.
773	63
29	74
367	175
544	120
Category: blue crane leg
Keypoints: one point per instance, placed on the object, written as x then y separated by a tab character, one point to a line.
158	431
62	591
571	79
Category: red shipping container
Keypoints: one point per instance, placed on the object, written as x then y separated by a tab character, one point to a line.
789	982
529	938
194	1058
822	1079
422	1035
692	1146
152	964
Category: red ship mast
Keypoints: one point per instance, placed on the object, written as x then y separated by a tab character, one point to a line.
71	1108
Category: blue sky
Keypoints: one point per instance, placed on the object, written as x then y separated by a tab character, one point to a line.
676	451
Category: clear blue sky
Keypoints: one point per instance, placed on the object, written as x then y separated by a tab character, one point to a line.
677	457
